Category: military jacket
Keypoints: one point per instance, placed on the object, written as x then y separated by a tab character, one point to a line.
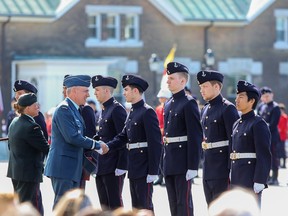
182	118
217	119
141	126
251	135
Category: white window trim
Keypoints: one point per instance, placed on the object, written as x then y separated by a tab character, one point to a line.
281	45
94	10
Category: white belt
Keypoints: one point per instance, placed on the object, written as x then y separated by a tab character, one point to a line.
168	140
236	156
136	145
214	144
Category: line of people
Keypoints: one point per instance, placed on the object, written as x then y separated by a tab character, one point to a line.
235	142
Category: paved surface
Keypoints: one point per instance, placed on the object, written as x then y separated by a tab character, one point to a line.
274	202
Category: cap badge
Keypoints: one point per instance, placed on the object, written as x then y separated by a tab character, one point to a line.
127	77
245	83
96	78
175	65
19	82
203	74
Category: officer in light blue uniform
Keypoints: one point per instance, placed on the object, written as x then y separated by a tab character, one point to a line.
251	139
112	167
182	141
143	138
269	110
65	158
217	118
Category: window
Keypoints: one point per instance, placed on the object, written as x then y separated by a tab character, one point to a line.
281	29
113	26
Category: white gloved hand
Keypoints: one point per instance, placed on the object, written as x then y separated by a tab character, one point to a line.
100	151
119	172
151	178
191	174
258	187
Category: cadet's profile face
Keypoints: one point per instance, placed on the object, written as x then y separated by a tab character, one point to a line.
100	93
208	91
242	103
128	94
19	93
32	110
175	82
81	93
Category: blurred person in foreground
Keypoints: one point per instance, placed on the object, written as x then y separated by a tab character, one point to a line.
283	131
27	146
65	159
251	139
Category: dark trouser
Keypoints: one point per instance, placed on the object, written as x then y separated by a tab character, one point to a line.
141	193
179	195
61	186
214	187
109	189
29	191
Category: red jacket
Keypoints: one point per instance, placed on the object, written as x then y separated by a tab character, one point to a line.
283	126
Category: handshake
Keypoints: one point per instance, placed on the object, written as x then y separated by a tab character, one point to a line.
103	146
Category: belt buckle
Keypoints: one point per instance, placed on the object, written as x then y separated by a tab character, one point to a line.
165	140
234	156
205	145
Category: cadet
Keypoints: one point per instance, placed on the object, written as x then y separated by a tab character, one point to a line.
22	87
112	166
182	141
251	139
217	119
270	112
65	158
143	137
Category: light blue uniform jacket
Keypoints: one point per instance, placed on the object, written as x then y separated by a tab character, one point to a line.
65	157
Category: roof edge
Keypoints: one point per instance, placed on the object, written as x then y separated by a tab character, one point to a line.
255	10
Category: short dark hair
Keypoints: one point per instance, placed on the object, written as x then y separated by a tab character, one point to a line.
137	87
253	95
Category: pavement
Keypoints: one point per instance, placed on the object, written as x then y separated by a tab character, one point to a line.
274	200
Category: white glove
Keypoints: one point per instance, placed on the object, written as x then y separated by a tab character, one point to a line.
191	174
119	172
100	151
258	187
151	178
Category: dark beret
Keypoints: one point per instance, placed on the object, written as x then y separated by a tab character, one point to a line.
175	67
244	86
265	90
77	80
209	75
99	80
24	85
65	78
134	80
27	99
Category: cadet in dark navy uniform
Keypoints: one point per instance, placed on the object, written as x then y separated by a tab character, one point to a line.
143	137
269	110
112	166
217	119
182	141
251	139
22	87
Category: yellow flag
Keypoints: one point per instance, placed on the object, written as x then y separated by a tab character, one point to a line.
170	56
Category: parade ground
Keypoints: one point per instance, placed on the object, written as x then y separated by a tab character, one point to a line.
274	200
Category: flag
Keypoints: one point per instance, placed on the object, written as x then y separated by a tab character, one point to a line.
1	102
169	58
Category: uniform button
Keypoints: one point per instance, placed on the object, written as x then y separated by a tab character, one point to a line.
106	120
220	151
100	128
206	128
249	162
135	123
236	131
173	101
129	129
176	114
129	119
180	146
233	161
168	122
206	117
100	138
129	140
215	120
141	151
244	134
234	151
170	111
240	121
166	133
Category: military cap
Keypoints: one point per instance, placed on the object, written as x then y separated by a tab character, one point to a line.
24	85
134	80
209	75
244	86
27	99
65	78
164	93
99	80
175	67
77	80
265	90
